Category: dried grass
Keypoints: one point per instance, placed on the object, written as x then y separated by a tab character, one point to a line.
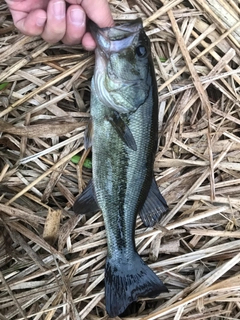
52	261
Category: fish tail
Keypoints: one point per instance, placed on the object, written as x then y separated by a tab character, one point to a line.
125	281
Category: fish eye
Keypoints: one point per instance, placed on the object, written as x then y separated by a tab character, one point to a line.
141	51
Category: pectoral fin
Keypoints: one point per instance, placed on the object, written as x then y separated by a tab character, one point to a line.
122	130
86	203
154	206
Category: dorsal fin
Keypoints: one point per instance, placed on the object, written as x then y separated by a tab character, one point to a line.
86	202
88	135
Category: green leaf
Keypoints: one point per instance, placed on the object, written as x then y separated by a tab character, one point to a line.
3	85
87	163
75	159
163	59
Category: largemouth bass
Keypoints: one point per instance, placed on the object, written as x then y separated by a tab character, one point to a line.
124	112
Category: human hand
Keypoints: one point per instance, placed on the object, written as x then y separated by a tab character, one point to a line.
63	20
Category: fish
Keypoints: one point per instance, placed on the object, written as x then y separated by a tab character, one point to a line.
124	137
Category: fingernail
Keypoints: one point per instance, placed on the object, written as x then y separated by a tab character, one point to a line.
40	21
59	10
77	17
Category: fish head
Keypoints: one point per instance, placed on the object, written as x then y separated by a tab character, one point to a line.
122	76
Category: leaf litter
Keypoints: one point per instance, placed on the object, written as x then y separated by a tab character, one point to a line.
51	261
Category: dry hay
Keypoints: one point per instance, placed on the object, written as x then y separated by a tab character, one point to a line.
52	261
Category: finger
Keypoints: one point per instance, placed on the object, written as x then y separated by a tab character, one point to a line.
88	42
31	24
26	5
55	27
97	10
76	25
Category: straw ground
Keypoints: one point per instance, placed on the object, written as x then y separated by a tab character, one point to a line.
51	261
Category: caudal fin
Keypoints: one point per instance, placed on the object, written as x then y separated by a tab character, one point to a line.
125	281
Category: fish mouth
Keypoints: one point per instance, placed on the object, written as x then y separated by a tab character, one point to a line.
117	38
111	41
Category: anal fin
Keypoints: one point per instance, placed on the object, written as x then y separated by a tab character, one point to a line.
86	202
154	206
